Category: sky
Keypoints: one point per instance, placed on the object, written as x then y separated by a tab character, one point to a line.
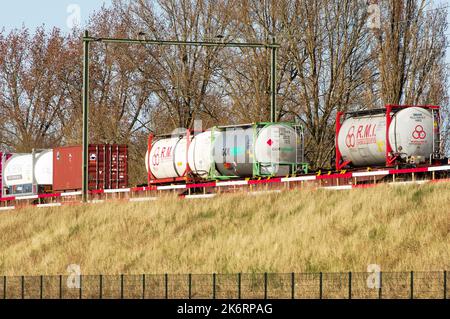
60	13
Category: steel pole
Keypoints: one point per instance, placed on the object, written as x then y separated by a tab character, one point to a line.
273	80
85	114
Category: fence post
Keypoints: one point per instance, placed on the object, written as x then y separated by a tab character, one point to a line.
265	285
349	285
60	287
320	286
166	285
214	285
412	285
239	285
293	285
381	285
101	286
143	286
121	286
445	284
23	287
41	287
81	286
4	287
190	285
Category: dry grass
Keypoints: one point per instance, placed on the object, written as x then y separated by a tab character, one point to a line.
399	228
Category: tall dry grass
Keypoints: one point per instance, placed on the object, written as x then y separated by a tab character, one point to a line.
399	228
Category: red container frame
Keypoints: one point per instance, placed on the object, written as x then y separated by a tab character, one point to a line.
152	180
391	158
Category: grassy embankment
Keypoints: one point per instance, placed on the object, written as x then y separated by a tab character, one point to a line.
400	228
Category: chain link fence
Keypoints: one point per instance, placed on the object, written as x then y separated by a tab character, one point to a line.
382	285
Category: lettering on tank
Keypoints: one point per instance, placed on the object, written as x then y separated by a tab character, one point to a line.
418	117
361	135
284	134
161	155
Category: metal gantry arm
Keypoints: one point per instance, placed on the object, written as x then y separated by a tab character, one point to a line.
273	46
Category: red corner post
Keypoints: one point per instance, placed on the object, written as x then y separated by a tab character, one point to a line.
188	143
150	176
390	158
339	162
338	128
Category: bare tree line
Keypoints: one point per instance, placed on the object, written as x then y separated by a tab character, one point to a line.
329	61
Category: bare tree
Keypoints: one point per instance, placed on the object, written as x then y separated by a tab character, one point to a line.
411	46
33	70
182	78
327	44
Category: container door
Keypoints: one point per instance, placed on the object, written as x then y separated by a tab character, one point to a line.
118	166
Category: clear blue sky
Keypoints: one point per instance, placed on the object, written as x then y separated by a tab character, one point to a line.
34	13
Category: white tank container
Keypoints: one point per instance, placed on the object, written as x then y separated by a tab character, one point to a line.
276	143
237	149
362	140
43	168
18	169
199	153
168	158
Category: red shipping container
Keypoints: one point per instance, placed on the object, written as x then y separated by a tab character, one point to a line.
107	167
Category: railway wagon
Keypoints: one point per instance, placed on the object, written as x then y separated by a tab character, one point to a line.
60	170
226	152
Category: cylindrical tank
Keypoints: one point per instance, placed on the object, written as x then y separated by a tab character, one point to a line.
199	153
18	169
236	150
43	168
362	140
168	157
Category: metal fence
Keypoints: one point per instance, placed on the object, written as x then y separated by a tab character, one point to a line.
386	285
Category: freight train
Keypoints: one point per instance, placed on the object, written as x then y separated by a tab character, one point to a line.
60	170
396	136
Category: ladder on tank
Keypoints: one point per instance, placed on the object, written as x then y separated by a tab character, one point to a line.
437	146
300	150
